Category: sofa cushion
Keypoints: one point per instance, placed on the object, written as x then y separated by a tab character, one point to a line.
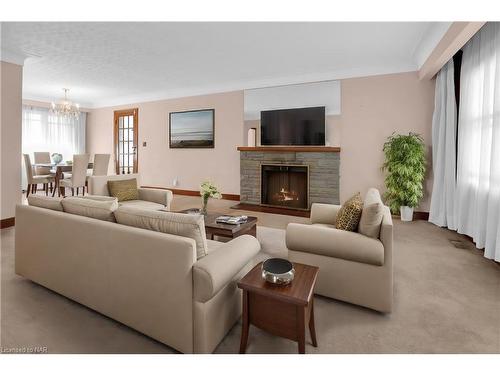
147	205
191	226
371	216
336	243
52	203
350	213
102	198
124	190
97	209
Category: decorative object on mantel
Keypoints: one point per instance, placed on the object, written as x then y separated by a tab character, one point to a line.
56	158
405	166
192	129
252	137
208	190
65	107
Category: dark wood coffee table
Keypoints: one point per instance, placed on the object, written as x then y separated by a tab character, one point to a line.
226	230
281	310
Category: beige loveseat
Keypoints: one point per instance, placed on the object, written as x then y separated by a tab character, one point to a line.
352	267
149	198
145	279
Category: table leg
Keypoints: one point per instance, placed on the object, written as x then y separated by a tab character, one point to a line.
301	329
312	328
57	177
245	325
253	231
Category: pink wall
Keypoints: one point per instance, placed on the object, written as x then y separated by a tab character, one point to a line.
11	79
158	164
372	108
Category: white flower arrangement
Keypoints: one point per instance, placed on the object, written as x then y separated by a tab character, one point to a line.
208	190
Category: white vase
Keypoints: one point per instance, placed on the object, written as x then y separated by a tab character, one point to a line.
406	213
251	137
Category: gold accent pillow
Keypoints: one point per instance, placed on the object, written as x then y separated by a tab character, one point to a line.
350	213
124	190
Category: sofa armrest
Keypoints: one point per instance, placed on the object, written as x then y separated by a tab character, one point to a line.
386	234
322	213
156	195
215	270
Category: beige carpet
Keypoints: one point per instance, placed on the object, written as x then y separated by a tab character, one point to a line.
447	300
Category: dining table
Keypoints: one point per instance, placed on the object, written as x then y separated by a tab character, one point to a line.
58	170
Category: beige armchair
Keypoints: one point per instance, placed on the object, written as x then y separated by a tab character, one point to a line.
353	267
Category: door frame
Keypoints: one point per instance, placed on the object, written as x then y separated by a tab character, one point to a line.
117	114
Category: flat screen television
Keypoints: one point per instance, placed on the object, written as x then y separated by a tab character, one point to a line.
297	126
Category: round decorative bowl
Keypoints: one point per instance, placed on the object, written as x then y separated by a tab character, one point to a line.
278	271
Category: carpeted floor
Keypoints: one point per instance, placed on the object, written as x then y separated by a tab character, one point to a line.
447	300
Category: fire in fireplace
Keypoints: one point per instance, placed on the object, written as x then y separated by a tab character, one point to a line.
285	185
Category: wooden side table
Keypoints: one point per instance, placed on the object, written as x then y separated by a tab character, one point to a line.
280	310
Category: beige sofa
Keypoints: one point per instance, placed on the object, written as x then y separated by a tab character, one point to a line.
352	267
146	279
149	198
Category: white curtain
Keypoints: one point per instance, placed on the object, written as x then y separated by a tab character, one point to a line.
444	122
478	164
44	131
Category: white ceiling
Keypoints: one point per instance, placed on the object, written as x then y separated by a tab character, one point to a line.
119	63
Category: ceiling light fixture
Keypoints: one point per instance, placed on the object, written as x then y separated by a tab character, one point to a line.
65	107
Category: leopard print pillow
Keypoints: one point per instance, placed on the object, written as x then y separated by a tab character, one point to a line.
350	213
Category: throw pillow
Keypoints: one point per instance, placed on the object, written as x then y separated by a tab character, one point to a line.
373	212
350	213
124	190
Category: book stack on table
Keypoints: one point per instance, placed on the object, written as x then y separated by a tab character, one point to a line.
235	220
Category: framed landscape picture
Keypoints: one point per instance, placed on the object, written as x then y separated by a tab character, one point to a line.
192	129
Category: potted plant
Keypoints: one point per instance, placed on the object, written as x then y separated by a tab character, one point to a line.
208	190
405	166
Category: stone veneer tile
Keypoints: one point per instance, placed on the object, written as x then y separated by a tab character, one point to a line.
323	173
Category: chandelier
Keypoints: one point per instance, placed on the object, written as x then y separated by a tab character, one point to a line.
65	107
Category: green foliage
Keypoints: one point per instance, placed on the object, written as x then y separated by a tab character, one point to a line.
405	166
209	190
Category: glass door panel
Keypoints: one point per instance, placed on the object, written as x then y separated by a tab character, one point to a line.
126	125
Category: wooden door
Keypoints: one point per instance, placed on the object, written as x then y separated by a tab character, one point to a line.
125	134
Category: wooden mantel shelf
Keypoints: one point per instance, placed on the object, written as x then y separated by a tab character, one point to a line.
290	149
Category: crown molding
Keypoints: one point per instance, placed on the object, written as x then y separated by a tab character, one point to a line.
239	86
12	57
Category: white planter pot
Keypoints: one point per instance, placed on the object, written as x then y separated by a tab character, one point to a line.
406	213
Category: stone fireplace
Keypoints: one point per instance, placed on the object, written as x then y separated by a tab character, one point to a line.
289	177
285	185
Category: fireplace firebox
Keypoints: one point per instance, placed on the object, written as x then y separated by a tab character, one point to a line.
285	186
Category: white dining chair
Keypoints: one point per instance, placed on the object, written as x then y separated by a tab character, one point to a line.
43	157
34	180
100	168
101	163
78	175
